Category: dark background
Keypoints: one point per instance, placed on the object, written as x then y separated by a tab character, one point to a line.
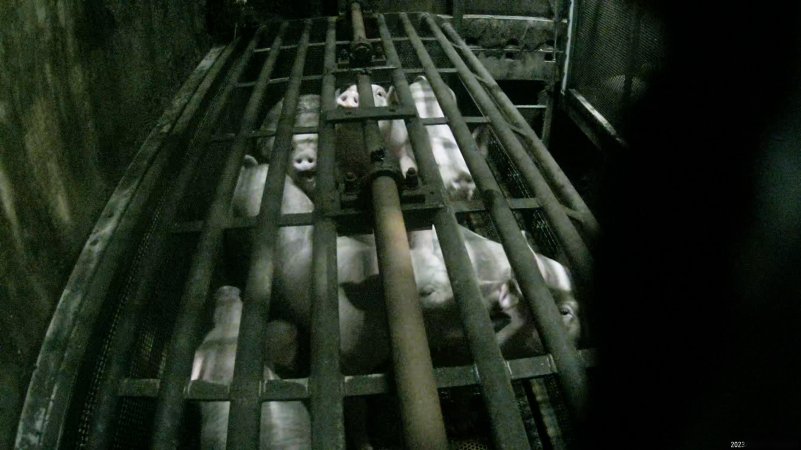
698	284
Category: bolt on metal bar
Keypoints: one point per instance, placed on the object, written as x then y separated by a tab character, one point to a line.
119	352
507	423
170	406
325	383
244	419
576	250
556	177
546	316
421	415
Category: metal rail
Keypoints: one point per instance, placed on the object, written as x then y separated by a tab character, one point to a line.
378	383
546	316
325	379
421	416
169	410
555	176
507	424
244	419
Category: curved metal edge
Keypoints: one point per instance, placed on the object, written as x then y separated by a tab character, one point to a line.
77	307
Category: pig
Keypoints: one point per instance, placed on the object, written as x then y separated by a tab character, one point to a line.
284	425
249	189
350	136
502	295
458	182
303	160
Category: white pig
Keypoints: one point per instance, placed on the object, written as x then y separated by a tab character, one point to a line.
284	425
502	294
303	162
456	177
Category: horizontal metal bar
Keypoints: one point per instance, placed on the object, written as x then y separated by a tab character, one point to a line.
519	107
319	44
410	211
369	113
314	129
370	384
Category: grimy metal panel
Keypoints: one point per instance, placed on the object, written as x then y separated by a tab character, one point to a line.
302	58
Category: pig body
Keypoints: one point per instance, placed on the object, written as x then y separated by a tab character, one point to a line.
502	294
456	177
284	425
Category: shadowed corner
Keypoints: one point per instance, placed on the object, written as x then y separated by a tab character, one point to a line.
696	287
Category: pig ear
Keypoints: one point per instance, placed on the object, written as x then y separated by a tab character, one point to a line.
249	161
392	97
503	291
337	92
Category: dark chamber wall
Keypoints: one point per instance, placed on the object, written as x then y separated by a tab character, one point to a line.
81	84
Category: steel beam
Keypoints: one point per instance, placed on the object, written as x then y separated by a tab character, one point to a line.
244	419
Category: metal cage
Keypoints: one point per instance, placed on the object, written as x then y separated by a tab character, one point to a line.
114	370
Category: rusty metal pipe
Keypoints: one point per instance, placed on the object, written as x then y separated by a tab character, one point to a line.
417	389
361	52
421	415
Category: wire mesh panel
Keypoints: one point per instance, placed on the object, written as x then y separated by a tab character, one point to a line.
618	48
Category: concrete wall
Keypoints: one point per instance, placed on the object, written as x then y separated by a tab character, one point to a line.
81	84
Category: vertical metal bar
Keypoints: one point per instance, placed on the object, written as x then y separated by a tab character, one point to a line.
458	13
507	423
556	177
547	121
169	410
546	316
570	45
244	418
421	415
119	352
414	373
357	21
325	384
576	250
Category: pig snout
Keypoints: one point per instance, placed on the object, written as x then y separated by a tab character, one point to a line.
348	99
305	161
